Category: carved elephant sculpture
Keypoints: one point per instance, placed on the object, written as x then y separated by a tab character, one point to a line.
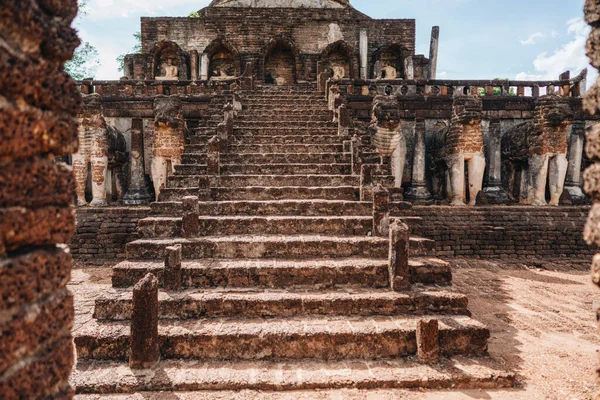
102	151
386	134
538	149
170	130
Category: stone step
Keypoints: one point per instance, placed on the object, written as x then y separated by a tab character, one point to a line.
321	338
315	274
275	207
285	119
285	148
165	227
285	158
285	131
285	113
347	193
252	380
234	181
273	246
258	124
193	158
218	303
273	139
268	169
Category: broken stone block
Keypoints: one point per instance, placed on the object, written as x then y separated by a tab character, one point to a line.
398	256
172	272
428	345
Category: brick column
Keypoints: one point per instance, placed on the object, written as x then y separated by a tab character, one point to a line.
398	256
138	192
37	124
418	190
493	189
145	352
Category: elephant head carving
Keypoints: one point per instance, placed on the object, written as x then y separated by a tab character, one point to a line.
385	124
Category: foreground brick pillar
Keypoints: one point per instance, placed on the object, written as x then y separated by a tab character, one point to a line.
145	352
592	106
38	106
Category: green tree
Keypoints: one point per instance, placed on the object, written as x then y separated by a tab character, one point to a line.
136	49
498	89
85	62
194	14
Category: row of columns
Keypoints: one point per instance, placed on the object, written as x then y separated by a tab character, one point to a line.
493	188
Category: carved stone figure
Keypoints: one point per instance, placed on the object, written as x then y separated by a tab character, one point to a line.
102	151
170	130
463	142
389	72
538	149
339	72
386	132
171	72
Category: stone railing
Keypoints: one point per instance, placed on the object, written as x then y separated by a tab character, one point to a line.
565	86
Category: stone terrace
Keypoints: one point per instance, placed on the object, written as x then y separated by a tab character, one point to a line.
285	282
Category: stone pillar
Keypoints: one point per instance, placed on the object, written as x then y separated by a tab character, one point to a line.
428	342
138	192
409	68
145	351
204	61
433	52
398	256
213	156
194	64
573	181
381	211
356	150
40	104
493	189
190	225
418	190
344	120
364	51
172	271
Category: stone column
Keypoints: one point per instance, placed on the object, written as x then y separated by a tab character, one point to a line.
190	226
194	64
433	52
364	50
493	190
138	192
428	342
204	61
172	271
145	351
573	181
381	211
409	68
418	189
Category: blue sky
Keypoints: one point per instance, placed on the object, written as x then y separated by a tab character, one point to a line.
480	39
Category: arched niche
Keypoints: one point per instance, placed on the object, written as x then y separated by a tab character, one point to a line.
389	56
336	55
165	52
222	59
280	62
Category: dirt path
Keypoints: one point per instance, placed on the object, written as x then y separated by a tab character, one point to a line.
540	315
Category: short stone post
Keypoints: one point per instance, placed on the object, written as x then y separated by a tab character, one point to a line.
145	351
344	120
428	342
356	150
381	211
190	226
366	181
213	156
573	181
398	256
418	190
172	271
493	189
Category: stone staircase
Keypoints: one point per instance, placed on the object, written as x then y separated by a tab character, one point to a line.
285	287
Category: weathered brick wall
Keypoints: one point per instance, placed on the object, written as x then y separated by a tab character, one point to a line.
38	105
102	233
504	232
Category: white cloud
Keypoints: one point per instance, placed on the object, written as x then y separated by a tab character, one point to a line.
442	75
570	56
531	40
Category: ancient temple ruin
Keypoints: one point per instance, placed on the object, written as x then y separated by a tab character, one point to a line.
267	167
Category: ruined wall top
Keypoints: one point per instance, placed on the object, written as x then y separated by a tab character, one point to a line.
282	3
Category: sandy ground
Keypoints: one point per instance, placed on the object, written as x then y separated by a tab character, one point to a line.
540	313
